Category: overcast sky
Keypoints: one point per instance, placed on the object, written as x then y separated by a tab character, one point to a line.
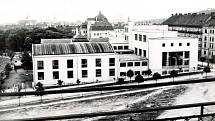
73	10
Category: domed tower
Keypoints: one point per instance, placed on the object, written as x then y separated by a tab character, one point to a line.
100	17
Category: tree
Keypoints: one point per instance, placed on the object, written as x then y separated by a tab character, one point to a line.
202	59
78	81
139	78
27	44
149	72
39	88
173	74
130	73
8	68
156	76
26	61
207	70
120	80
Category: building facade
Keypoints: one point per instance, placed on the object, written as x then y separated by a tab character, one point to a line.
84	61
193	25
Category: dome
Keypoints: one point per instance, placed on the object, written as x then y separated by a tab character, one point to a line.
100	17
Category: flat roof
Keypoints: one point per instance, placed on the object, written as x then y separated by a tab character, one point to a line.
171	38
131	57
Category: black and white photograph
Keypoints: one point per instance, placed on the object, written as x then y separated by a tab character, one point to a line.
107	60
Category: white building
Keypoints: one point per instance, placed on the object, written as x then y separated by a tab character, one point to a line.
164	49
86	61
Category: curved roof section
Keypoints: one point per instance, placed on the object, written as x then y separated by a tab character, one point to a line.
73	48
100	17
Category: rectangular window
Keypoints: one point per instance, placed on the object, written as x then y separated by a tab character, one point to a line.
163	44
111	61
180	44
84	73
122	73
40	75
137	63
115	47
84	63
144	63
144	53
136	72
55	75
111	72
140	52
188	44
140	37
136	37
40	65
69	63
144	38
122	64
98	72
119	47
135	50
187	54
172	44
69	74
205	38
55	64
125	47
130	64
186	62
98	62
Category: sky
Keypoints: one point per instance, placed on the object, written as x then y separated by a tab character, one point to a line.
72	10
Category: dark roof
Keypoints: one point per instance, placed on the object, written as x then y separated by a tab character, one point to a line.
102	25
80	38
194	20
73	48
100	17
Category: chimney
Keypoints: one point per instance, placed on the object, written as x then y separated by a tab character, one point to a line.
213	15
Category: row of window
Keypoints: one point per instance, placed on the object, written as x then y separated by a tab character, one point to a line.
210	38
70	74
99	34
172	44
140	52
84	63
135	73
130	64
140	37
120	47
207	31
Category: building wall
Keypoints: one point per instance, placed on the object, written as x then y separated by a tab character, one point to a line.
156	49
100	34
208	41
77	69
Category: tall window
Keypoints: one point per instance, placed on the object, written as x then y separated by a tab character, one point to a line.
40	65
84	73
69	63
135	50
187	54
98	73
98	62
140	52
172	44
69	74
84	63
144	38
55	64
136	37
111	61
123	64
144	53
111	72
188	44
55	75
140	37
40	75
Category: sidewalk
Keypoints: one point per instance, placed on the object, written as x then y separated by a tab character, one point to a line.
58	97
